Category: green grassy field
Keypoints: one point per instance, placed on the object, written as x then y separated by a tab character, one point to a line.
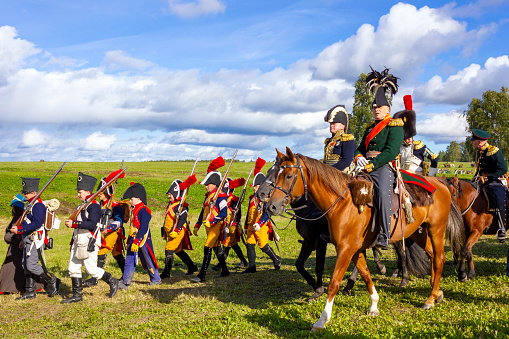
268	304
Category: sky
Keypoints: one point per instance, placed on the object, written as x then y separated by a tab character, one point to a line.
179	79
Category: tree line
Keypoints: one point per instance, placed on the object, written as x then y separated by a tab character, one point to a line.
489	113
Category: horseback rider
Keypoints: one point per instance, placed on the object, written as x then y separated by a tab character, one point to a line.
378	148
413	152
340	147
490	166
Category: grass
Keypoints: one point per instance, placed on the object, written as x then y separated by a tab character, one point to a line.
267	304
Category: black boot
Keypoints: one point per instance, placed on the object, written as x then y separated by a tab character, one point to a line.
382	241
101	262
52	283
207	255
191	267
251	256
112	282
501	233
221	256
275	259
240	255
29	288
217	267
168	263
120	261
77	292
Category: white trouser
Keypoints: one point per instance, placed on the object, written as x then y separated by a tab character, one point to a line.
90	264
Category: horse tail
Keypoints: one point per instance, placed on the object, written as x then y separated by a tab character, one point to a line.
455	230
417	260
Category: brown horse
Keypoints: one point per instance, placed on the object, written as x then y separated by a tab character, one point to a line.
476	218
350	227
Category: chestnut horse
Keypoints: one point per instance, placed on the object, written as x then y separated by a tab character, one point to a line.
350	227
476	217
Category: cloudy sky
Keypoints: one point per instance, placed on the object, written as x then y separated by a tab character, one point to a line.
176	79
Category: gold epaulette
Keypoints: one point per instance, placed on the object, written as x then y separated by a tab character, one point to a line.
418	144
347	137
491	150
396	122
327	141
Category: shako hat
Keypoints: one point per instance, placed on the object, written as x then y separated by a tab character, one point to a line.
178	186
226	186
30	185
213	176
259	177
85	182
378	82
18	200
136	191
108	191
479	134
408	117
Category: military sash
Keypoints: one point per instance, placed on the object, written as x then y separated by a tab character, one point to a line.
380	126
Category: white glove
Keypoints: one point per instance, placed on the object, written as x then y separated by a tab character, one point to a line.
226	230
361	161
256	227
432	172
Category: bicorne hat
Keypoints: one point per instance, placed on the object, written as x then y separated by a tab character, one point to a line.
259	177
30	185
175	189
136	191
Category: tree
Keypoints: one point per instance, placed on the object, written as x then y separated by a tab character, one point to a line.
491	113
362	112
467	151
441	156
453	152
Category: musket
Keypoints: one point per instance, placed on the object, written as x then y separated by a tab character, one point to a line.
239	203
34	200
88	201
107	214
184	196
219	189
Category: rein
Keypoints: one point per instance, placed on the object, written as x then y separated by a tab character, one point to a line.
477	190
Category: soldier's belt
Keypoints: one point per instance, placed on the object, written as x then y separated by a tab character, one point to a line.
372	154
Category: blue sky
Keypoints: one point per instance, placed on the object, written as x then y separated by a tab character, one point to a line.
175	79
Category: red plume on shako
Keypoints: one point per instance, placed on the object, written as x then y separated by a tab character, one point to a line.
259	177
178	186
213	176
105	180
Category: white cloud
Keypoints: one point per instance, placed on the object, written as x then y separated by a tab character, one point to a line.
33	138
444	127
467	83
193	9
98	141
405	39
119	60
13	52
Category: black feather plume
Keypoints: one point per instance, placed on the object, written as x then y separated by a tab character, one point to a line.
377	79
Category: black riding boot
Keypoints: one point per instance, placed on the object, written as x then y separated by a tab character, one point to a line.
207	255
275	259
251	256
120	261
29	288
101	262
112	282
221	256
77	292
191	267
168	264
240	255
217	267
52	283
501	216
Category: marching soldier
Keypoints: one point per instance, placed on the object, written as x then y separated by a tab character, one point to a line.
85	227
490	166
213	220
414	152
139	242
231	232
112	238
258	225
340	147
33	236
176	236
378	148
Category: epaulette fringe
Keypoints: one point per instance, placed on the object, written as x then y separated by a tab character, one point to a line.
418	144
396	122
491	150
347	137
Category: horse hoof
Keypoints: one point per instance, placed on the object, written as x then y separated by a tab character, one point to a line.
403	284
383	270
347	293
427	306
462	279
440	297
317	329
374	313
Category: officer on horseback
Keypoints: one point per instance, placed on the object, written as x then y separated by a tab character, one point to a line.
490	166
379	148
340	147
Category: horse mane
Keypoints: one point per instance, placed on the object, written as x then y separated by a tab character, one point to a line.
331	177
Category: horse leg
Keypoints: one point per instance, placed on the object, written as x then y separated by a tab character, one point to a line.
305	251
402	264
437	266
381	267
472	239
343	258
321	250
360	262
350	282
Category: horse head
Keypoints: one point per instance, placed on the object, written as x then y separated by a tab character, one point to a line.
287	183
267	186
